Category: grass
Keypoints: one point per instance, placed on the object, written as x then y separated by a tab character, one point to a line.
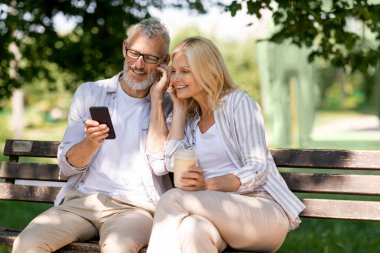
18	215
333	236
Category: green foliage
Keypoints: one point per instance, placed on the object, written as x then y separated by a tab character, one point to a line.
92	50
325	27
34	51
183	34
340	90
240	59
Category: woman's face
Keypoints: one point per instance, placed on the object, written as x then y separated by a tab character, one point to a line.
182	78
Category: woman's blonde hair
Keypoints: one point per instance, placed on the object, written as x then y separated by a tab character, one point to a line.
209	70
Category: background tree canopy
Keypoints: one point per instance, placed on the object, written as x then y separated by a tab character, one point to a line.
32	46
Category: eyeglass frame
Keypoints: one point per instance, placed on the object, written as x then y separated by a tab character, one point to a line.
141	54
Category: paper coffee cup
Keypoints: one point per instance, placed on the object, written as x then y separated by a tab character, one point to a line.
183	160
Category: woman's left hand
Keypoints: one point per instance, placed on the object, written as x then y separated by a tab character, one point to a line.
193	180
225	183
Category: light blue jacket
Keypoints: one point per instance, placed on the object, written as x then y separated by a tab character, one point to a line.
103	93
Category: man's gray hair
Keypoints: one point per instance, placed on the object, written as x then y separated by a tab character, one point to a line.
152	28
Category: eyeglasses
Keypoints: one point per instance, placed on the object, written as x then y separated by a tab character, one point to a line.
148	58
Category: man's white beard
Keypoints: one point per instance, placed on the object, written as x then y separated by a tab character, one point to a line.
138	85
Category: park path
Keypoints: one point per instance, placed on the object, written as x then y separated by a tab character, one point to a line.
352	131
360	123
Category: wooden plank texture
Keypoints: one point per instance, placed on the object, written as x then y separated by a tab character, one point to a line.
8	235
342	209
31	171
298	182
331	183
91	247
28	193
31	148
337	159
345	159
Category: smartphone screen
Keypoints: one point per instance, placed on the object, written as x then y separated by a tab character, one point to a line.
102	115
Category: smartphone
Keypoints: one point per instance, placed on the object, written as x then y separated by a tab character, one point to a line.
102	115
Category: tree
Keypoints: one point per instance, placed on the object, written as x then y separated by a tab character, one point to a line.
326	27
92	49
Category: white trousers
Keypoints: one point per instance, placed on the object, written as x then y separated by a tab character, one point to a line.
208	221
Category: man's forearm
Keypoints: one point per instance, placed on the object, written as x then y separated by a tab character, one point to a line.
80	155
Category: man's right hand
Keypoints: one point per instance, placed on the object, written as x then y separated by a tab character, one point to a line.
95	132
81	153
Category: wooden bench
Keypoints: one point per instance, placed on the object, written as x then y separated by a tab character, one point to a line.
314	172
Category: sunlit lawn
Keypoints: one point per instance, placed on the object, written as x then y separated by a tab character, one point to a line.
313	235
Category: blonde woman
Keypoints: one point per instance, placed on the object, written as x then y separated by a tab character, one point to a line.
235	196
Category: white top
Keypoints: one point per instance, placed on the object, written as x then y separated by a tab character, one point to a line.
212	156
116	169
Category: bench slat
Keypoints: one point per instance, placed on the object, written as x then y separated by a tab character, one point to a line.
31	171
342	209
44	194
330	183
345	159
92	247
31	148
287	158
337	159
8	235
299	182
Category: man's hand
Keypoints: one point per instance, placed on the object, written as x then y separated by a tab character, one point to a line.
81	153
95	132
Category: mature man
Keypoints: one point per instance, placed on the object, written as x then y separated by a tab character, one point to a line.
113	184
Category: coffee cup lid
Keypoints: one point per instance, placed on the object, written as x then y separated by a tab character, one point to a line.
185	154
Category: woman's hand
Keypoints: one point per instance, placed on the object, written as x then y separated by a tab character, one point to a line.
179	103
160	86
177	126
225	183
193	180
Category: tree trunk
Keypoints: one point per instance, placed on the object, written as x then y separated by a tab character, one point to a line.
18	113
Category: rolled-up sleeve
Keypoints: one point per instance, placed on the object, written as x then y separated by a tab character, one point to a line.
74	132
251	144
170	147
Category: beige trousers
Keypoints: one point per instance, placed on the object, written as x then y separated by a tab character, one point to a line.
122	227
208	221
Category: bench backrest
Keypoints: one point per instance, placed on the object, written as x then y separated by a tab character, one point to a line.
329	181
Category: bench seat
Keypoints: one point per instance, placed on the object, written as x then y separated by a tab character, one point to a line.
333	184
